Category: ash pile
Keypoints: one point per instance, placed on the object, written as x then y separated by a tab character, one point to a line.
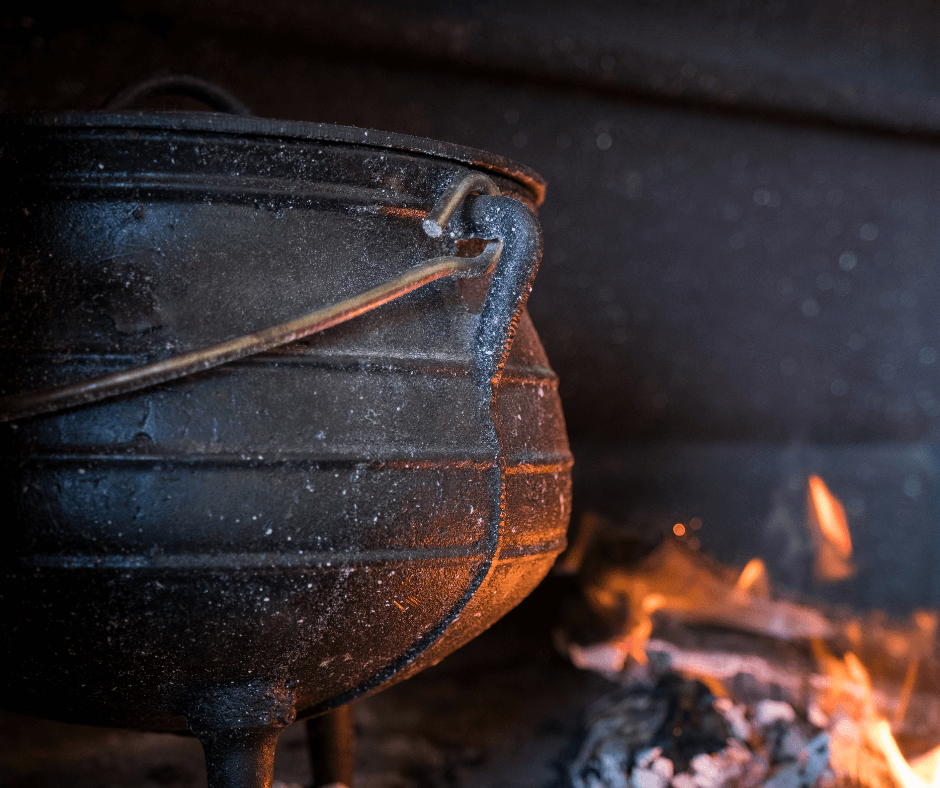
676	732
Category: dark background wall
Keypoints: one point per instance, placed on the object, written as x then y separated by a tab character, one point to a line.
740	284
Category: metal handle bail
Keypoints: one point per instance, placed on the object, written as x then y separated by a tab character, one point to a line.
57	398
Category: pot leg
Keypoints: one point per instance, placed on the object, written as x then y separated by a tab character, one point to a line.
240	758
238	726
330	741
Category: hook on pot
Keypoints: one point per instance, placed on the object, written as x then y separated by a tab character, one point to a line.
450	201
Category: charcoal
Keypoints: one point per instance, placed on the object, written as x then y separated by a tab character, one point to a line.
693	725
790	745
809	768
735	715
747	688
676	734
617	728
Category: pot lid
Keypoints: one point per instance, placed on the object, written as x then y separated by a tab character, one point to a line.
235	125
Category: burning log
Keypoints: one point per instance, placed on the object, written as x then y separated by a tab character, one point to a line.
683	585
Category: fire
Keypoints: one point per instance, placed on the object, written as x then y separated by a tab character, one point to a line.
831	515
850	691
753	576
678	585
900	768
849	699
926	623
830	528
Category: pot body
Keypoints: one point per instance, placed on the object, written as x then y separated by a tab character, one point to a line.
324	518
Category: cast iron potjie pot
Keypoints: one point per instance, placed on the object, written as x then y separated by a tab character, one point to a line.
216	528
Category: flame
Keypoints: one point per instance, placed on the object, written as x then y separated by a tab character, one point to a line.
830	529
640	632
927	766
682	584
900	768
753	574
925	622
850	693
831	515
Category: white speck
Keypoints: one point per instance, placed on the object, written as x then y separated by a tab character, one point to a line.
847	261
269	532
869	232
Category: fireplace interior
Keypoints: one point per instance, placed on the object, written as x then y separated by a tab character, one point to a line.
739	293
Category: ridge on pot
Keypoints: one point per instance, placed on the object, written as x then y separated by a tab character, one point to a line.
288	531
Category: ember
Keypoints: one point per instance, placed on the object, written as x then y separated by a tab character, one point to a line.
725	682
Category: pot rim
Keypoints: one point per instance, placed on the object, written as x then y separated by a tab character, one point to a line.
234	125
